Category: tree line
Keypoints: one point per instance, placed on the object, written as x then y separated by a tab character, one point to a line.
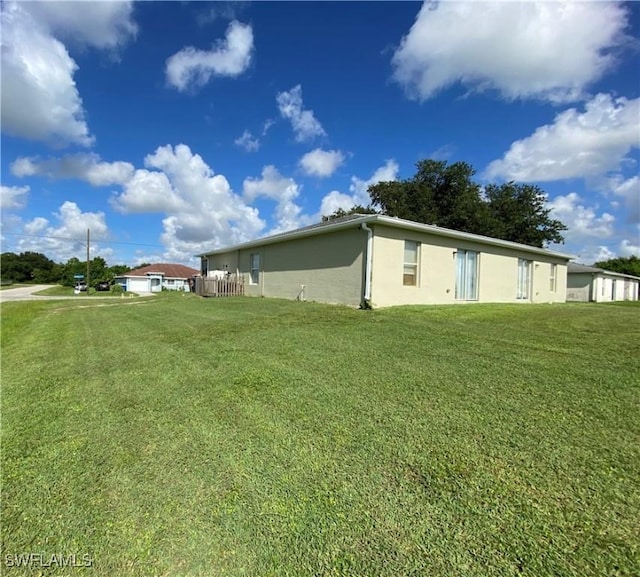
34	267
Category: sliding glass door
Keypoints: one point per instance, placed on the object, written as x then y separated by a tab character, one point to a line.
524	279
466	275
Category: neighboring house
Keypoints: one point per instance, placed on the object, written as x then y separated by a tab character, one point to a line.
155	277
588	283
389	261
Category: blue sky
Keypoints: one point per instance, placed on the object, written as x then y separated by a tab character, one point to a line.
170	128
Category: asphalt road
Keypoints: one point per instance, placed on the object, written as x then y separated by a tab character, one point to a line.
25	293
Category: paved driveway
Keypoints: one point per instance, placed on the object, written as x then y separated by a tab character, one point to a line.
25	293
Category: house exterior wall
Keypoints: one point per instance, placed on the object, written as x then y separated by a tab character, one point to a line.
497	277
581	287
145	284
631	290
225	261
175	284
601	287
608	288
325	268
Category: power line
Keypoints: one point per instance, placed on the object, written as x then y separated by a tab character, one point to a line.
83	242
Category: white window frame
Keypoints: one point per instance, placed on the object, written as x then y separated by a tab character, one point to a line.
411	266
553	278
523	288
254	268
467	267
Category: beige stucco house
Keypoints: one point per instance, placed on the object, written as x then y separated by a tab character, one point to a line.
389	261
591	284
157	277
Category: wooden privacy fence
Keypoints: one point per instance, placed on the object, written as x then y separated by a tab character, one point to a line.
231	286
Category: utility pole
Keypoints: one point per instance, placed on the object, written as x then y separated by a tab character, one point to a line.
88	267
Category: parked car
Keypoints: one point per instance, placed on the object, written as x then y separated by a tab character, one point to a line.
103	286
81	286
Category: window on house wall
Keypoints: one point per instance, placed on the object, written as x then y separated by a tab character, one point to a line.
524	279
553	278
466	275
410	270
171	281
255	268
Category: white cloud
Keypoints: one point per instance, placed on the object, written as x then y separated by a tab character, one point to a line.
36	226
305	125
321	163
334	201
13	197
582	221
247	141
40	100
67	237
202	212
147	191
106	25
629	190
627	248
591	254
266	126
83	166
359	190
230	57
284	191
576	145
547	50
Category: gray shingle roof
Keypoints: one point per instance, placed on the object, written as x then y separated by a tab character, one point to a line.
577	268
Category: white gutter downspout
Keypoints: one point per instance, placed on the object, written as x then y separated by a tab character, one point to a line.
368	262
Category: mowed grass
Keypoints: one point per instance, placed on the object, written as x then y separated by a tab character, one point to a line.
231	437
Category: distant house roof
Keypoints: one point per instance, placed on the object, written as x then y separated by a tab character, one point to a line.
166	269
358	219
577	268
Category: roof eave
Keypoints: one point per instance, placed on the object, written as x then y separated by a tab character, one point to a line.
447	232
394	222
287	236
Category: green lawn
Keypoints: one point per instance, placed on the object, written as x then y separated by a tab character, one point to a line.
179	436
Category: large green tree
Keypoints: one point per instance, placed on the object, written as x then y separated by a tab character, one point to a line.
340	212
446	195
97	270
117	270
519	213
440	193
28	267
629	265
